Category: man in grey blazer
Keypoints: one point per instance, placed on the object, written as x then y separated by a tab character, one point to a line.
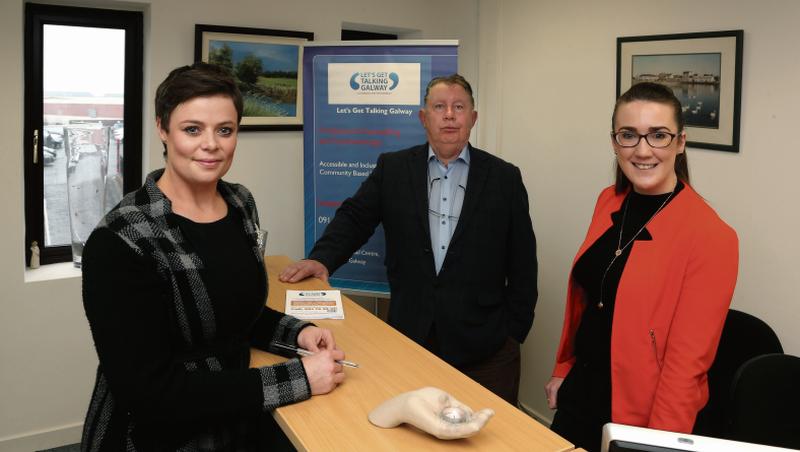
460	248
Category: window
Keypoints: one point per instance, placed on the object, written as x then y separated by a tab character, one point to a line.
83	122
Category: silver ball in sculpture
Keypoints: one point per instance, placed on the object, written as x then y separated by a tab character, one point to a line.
454	415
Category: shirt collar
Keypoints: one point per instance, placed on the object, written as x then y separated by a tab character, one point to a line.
463	155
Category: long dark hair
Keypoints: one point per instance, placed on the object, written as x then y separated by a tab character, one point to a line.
652	92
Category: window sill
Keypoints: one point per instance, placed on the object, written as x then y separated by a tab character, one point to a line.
63	270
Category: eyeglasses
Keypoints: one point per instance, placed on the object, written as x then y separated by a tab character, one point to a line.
629	139
459	191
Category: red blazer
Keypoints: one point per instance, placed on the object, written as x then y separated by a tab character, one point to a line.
671	304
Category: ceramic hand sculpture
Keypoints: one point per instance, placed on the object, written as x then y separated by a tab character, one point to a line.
433	411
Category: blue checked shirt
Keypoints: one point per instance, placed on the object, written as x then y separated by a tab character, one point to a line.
446	188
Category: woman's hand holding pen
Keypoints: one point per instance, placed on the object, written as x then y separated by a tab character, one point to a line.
314	339
322	370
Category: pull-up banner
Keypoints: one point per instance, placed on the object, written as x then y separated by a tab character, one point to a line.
361	99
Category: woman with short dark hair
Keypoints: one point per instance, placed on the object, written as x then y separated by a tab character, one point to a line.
174	287
649	288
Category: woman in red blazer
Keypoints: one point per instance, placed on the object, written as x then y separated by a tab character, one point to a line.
649	288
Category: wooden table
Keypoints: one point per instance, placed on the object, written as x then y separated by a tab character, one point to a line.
390	364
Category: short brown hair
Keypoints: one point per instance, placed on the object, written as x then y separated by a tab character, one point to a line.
452	79
198	80
652	92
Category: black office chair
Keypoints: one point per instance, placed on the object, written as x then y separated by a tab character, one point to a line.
743	337
765	401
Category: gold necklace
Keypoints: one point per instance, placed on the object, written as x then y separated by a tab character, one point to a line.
621	248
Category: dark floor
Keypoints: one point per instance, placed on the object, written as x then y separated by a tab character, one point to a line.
69	448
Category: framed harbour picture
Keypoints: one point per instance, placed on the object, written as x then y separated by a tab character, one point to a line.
267	65
704	70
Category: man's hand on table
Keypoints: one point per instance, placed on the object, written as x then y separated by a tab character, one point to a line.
303	269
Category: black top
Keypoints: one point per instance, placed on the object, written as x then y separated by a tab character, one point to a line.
235	285
129	297
593	338
173	316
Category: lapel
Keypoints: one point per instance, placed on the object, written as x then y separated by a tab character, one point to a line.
476	181
601	222
237	196
418	168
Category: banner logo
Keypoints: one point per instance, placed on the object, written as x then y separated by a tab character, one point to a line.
374	83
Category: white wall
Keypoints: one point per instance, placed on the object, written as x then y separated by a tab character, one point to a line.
47	360
555	90
545	78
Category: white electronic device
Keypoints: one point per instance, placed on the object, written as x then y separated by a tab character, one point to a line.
626	438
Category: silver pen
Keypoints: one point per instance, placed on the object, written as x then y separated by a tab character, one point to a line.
304	352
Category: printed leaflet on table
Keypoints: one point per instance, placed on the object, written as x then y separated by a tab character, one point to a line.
314	304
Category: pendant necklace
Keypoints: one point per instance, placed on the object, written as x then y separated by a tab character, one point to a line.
620	248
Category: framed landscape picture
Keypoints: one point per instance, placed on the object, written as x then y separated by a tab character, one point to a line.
267	65
704	70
